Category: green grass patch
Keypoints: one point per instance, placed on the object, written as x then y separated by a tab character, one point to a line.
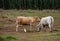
7	38
54	35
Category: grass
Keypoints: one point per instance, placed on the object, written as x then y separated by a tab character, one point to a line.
55	35
7	38
29	36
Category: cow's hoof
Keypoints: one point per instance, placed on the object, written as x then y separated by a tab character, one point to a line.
38	31
50	31
24	30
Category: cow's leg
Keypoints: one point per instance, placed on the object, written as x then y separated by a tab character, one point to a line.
39	28
44	28
17	27
30	26
50	27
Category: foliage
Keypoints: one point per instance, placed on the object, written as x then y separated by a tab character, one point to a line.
30	4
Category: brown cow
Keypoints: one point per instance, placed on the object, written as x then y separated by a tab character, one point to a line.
20	20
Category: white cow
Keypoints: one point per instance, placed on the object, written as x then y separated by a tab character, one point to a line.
46	21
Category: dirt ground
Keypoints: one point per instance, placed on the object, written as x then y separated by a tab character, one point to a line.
8	28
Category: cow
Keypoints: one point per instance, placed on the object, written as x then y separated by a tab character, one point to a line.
46	21
22	20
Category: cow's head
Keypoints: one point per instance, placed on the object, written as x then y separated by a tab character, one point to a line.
37	18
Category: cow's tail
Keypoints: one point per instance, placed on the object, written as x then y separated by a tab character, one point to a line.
52	20
52	23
